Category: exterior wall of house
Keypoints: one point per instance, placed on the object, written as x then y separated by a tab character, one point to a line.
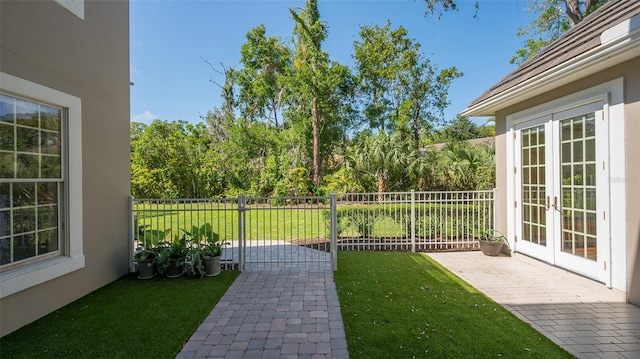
632	144
44	43
630	72
501	176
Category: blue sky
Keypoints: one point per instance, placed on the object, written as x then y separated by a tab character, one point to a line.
169	38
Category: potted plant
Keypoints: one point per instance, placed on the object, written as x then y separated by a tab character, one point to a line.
491	242
175	257
145	259
194	265
205	250
211	254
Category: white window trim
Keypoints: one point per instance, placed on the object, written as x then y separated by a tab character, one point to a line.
610	93
16	280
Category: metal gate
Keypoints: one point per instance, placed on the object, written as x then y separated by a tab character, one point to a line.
285	232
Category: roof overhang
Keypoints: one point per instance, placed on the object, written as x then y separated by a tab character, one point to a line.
618	44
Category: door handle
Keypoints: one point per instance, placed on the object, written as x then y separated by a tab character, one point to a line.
548	202
555	204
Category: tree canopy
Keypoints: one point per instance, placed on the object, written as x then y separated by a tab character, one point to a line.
295	122
552	19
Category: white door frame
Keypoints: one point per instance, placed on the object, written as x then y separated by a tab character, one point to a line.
607	101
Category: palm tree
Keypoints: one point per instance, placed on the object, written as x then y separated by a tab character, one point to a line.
386	157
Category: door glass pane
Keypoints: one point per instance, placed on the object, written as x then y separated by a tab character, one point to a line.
590	150
566	175
590	199
577	151
533	186
566	152
7	138
579	186
566	130
577	127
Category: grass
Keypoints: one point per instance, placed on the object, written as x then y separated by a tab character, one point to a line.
129	318
394	305
404	305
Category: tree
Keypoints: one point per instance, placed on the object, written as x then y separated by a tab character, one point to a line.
386	158
554	17
466	166
322	87
172	159
383	58
462	129
400	90
265	61
310	61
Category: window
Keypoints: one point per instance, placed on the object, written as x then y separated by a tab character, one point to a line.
31	180
40	184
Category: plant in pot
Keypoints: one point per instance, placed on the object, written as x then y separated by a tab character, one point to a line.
193	265
204	252
146	262
211	254
172	257
177	258
492	242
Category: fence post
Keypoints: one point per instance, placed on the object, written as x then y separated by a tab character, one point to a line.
495	207
413	221
241	231
132	235
333	213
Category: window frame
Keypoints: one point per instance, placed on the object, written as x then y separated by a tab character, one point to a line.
72	257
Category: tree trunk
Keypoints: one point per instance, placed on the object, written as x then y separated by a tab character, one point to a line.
316	141
416	131
382	187
573	11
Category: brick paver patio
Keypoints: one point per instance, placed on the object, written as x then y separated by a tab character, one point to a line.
295	313
583	316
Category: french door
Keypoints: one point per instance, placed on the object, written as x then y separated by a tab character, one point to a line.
561	190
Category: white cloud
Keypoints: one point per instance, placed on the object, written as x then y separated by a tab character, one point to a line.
146	116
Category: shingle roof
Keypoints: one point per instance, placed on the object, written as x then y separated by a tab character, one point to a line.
578	40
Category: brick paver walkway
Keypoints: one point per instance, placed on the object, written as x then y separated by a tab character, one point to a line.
584	317
286	313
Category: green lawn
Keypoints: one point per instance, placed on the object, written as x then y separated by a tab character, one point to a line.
404	305
394	305
129	318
